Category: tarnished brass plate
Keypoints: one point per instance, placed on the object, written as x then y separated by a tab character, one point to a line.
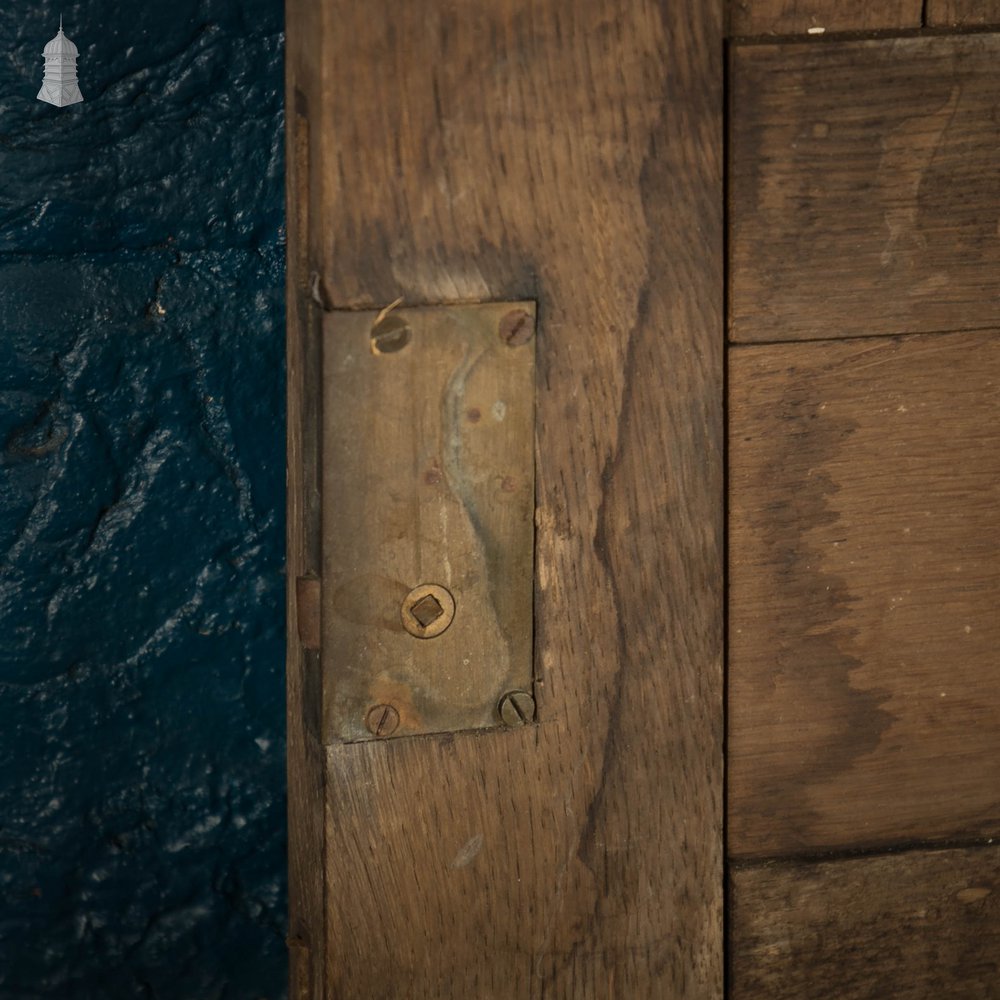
428	494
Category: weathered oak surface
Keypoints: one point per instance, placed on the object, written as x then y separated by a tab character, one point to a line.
793	17
568	153
910	926
864	696
306	772
865	188
965	13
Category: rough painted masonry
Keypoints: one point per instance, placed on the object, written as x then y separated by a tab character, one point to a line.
142	840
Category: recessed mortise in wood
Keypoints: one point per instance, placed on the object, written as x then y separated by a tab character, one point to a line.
428	448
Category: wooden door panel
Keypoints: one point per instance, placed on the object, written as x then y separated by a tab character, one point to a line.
914	926
864	582
794	17
864	520
956	13
566	153
865	188
569	154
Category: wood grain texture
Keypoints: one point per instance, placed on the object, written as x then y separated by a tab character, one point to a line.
962	13
797	17
570	153
865	188
304	751
909	926
864	699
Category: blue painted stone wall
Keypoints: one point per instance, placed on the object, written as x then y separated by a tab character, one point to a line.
142	813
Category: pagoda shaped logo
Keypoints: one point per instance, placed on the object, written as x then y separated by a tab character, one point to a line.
59	86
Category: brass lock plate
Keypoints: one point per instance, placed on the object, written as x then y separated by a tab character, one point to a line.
428	519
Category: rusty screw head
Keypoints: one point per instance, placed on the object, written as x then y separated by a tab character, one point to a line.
427	610
390	334
382	720
516	328
517	708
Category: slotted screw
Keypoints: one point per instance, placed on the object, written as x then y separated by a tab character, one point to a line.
517	708
382	720
516	328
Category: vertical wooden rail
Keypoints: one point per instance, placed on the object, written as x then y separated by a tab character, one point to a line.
567	152
306	883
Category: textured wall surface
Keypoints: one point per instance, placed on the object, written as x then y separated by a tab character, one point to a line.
142	828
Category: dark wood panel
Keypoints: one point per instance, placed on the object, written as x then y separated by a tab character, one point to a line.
304	750
793	17
910	926
955	13
568	153
864	697
865	192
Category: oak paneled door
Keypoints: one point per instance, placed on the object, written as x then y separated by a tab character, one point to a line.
541	352
864	505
